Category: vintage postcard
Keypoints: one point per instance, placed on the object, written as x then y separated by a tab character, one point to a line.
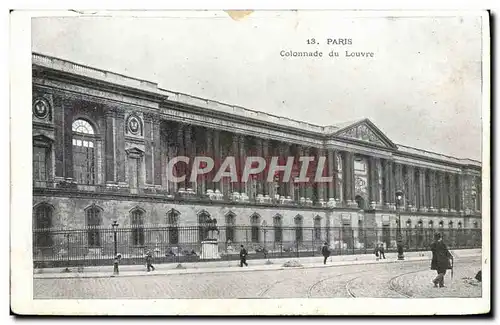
173	163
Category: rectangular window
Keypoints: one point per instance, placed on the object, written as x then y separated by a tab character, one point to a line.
83	163
317	233
39	164
230	233
255	234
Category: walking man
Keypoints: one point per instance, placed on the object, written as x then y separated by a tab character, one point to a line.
116	262
243	256
441	257
381	251
325	251
149	261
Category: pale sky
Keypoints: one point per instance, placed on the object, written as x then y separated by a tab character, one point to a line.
422	88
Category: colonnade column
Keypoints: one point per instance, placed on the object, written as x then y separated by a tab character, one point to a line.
392	184
348	175
217	159
445	189
432	190
189	150
241	163
332	172
267	185
440	190
452	192
109	146
321	187
410	179
460	193
374	182
180	152
261	178
422	187
210	152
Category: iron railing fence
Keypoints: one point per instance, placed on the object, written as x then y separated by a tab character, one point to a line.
176	244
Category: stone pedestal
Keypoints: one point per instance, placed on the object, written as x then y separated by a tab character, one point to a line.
209	250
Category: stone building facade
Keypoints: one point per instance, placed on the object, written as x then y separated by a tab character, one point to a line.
102	141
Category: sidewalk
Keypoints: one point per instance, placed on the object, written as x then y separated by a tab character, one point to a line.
233	266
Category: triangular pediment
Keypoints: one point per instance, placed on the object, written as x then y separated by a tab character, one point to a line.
42	138
134	151
365	131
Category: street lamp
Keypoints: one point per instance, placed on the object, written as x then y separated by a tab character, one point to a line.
264	228
115	226
399	201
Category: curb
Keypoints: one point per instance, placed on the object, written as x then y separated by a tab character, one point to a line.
232	269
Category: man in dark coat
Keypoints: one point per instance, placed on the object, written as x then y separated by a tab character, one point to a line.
440	259
325	251
149	261
243	256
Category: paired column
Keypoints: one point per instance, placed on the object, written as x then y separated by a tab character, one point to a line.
210	152
268	187
460	193
422	189
348	173
217	158
410	177
452	192
109	146
433	202
374	181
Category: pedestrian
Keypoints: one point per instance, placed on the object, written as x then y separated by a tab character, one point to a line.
325	250
381	251
116	262
149	261
441	257
243	256
376	251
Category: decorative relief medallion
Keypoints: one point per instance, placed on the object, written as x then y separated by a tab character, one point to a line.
41	108
134	125
360	185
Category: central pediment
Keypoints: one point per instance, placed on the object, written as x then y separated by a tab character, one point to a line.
365	131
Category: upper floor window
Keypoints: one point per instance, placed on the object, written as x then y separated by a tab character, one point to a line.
39	163
84	159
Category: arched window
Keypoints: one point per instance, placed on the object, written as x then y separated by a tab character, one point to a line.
431	224
476	225
299	234
94	221
408	223
459	225
317	228
203	225
255	222
173	226
137	222
84	160
278	228
441	224
450	224
230	223
42	225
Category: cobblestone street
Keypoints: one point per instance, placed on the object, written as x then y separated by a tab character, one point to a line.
407	279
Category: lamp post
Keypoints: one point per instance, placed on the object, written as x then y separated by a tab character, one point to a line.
115	226
264	228
399	201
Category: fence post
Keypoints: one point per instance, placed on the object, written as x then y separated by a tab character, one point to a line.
353	241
